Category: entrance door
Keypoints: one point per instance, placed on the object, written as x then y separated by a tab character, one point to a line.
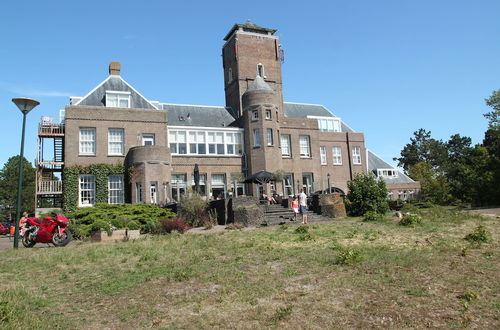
307	179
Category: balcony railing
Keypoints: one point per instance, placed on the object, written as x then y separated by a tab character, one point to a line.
49	187
48	127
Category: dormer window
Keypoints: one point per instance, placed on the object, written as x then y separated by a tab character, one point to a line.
260	70
387	173
115	99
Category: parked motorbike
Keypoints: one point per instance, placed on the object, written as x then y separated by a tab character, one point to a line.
52	229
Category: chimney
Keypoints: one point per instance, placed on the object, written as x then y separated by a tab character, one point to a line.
114	68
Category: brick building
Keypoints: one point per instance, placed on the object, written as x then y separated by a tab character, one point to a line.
255	131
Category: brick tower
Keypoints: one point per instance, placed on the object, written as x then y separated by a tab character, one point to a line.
250	51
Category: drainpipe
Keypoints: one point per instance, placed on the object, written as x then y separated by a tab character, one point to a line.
349	154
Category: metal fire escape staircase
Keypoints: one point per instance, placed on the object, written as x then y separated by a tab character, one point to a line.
49	165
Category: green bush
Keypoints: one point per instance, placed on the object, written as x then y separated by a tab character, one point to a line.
348	256
410	220
479	235
87	220
194	209
373	216
396	204
367	194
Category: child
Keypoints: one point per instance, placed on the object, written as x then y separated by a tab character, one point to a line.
294	205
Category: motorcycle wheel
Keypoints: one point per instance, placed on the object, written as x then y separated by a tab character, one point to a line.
27	242
62	240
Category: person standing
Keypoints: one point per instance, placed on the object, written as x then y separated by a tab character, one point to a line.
303	206
294	205
22	223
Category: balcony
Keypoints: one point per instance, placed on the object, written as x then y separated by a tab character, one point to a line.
48	128
49	187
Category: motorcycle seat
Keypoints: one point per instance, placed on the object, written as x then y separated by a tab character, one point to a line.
37	221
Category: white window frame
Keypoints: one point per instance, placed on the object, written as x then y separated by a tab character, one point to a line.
328	124
138	192
116	194
322	155
356	155
261	71
86	190
216	142
269	136
337	155
305	146
286	150
387	173
255	115
148	137
256	137
87	141
120	96
119	144
153	192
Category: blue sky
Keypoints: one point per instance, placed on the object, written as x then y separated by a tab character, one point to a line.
387	68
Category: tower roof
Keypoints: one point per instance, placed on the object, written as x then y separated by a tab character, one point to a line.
259	85
249	26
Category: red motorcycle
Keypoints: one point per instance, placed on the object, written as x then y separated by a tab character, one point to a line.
52	229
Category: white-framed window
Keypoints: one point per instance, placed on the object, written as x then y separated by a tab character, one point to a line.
356	155
216	143
233	144
255	115
268	114
269	133
138	192
115	99
87	141
218	185
337	155
260	70
322	155
153	191
86	190
115	141
405	194
305	147
179	186
115	189
256	138
387	172
197	142
285	145
329	125
148	139
177	141
288	184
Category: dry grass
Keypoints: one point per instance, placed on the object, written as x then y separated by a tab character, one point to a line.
264	278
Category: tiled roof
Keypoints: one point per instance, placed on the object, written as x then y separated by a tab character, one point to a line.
375	162
197	115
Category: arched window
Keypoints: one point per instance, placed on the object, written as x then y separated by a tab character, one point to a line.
260	70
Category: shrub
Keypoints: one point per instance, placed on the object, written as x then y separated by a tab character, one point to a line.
211	220
479	235
133	225
178	224
348	256
373	216
193	208
410	220
87	220
367	194
396	205
302	230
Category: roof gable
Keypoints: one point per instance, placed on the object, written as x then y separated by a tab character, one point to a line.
97	96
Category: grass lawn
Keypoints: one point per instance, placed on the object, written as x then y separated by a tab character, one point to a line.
341	274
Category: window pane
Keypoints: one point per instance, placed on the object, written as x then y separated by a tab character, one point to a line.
202	149
182	148
181	137
220	149
201	137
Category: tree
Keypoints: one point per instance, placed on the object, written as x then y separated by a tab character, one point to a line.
434	187
492	143
422	148
367	194
494	116
9	176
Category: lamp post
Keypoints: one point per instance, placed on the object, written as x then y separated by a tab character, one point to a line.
329	187
25	105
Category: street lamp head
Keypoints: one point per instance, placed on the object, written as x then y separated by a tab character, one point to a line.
328	175
25	104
